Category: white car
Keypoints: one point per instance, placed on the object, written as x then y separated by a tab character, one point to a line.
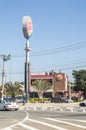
8	104
3	107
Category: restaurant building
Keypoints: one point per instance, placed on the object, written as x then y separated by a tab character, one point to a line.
58	81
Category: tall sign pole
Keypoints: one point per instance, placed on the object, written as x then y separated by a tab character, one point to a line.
27	31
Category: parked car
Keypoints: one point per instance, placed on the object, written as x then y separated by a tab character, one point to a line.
21	99
57	100
67	100
8	104
3	106
61	100
83	103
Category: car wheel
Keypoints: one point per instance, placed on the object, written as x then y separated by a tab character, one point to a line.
82	104
16	109
4	108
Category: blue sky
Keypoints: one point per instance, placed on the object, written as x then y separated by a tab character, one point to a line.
58	41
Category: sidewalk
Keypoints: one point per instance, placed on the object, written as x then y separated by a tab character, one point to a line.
65	107
50	104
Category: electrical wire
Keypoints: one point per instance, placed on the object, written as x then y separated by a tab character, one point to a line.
66	48
62	49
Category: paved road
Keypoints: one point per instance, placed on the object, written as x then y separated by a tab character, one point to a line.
42	120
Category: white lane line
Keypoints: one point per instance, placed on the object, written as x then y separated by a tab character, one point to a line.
74	120
27	127
11	126
68	123
7	128
46	124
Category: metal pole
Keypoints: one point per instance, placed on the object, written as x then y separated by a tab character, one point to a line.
69	90
3	76
27	71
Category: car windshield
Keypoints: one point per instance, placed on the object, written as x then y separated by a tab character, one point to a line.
9	99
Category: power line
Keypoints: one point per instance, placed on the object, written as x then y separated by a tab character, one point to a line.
62	49
70	47
49	69
66	48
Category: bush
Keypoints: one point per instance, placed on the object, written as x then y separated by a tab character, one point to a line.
41	100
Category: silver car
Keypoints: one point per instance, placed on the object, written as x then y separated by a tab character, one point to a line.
9	104
3	106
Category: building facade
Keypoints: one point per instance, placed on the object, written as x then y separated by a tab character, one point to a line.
58	81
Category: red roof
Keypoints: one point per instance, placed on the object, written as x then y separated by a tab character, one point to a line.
42	76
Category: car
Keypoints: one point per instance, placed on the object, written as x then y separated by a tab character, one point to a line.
21	99
11	103
8	104
57	100
61	100
82	103
3	106
67	100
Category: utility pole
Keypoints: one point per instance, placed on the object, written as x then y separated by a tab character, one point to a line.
4	59
3	77
70	90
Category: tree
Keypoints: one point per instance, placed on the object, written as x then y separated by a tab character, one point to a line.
41	86
13	90
80	80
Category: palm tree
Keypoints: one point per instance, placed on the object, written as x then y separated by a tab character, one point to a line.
41	86
13	90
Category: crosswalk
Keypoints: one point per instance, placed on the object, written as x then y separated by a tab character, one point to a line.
42	123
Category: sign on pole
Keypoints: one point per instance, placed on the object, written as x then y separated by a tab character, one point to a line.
27	31
27	27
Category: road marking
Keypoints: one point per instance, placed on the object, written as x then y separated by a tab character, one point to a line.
7	128
46	124
74	120
68	123
11	126
27	127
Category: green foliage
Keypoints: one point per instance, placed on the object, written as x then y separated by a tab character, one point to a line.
41	100
41	86
80	79
33	100
13	90
6	58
